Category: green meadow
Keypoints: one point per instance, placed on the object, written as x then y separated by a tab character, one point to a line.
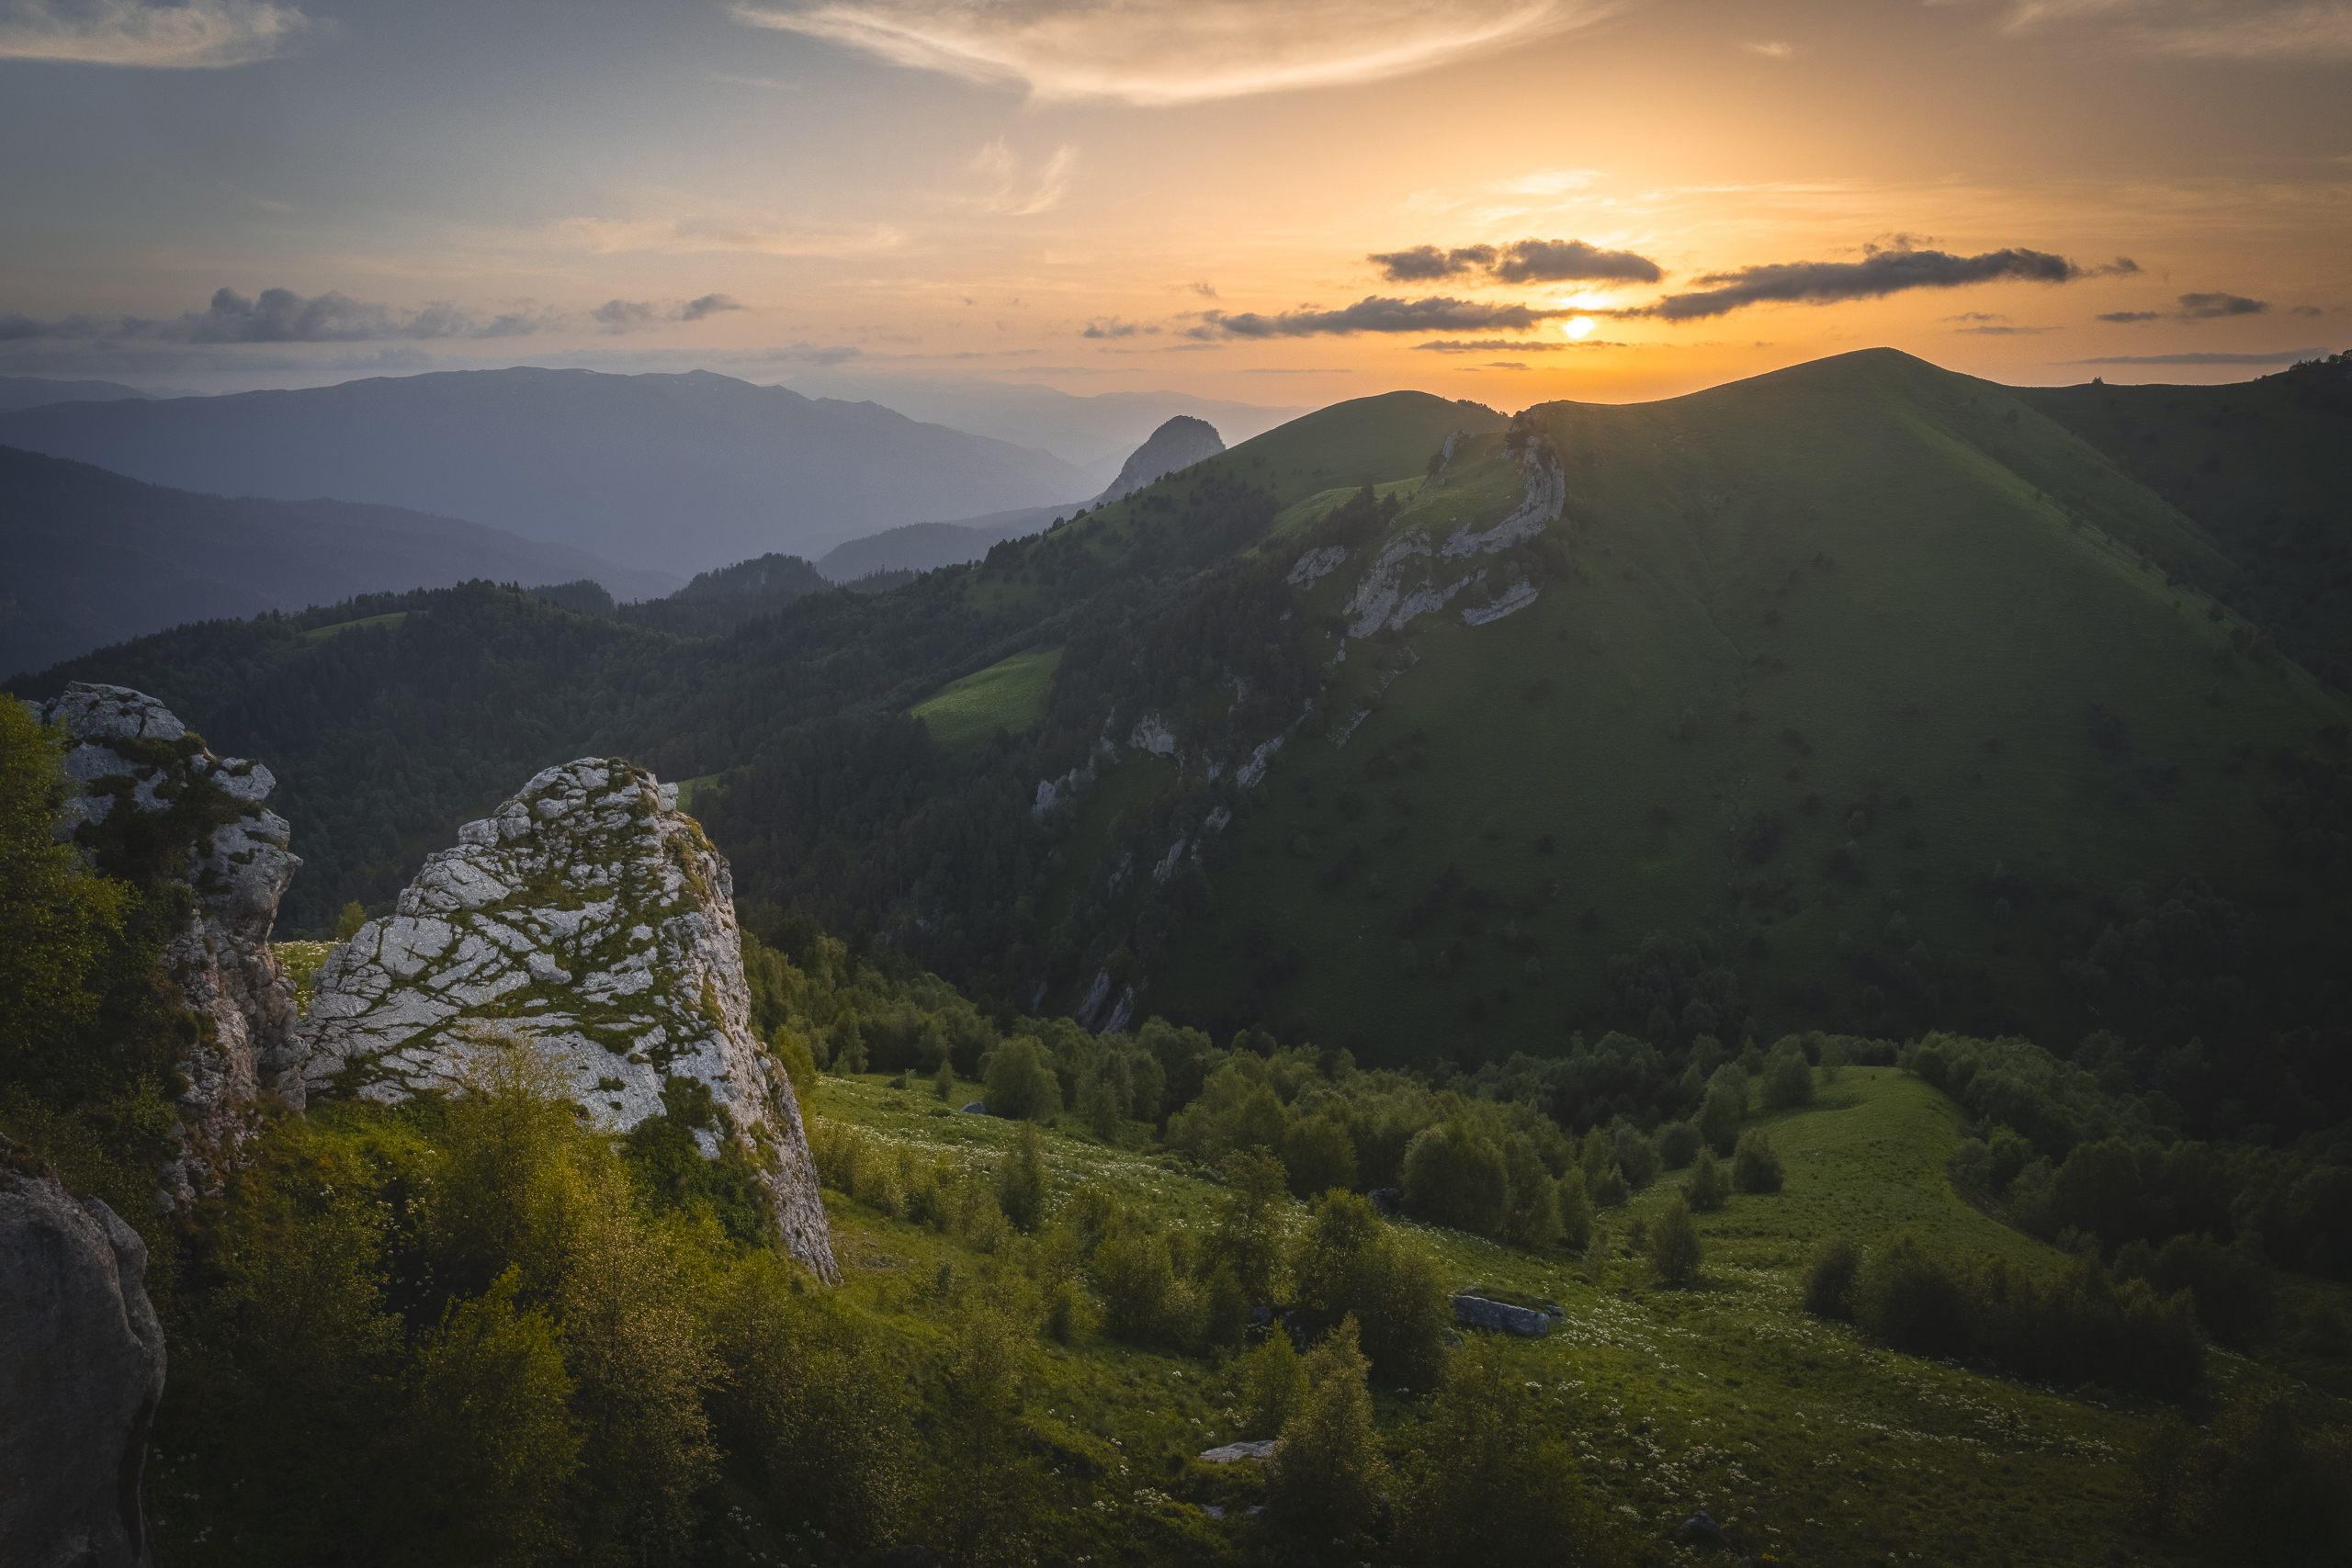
1009	696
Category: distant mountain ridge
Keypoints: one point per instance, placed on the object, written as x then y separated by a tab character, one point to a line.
88	558
38	391
677	473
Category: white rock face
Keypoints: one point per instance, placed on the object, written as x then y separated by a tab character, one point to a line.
1547	495
132	753
592	915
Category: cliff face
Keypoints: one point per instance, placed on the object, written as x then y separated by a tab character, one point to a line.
157	805
592	917
81	1368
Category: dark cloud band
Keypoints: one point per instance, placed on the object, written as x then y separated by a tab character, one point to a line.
1377	313
1523	261
1877	275
1513	345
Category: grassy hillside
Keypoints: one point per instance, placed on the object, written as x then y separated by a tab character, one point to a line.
1806	1440
1009	696
1821	674
2264	465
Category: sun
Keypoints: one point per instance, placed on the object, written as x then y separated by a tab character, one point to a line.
1578	327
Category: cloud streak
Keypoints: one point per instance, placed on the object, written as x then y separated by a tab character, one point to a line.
1880	273
690	236
2203	29
280	315
199	34
2279	357
1521	261
1377	313
1158	53
1513	345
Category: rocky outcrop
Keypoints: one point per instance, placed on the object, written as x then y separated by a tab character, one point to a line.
81	1370
1180	443
1478	1311
157	804
592	917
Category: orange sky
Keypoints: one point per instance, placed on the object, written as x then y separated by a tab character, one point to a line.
963	189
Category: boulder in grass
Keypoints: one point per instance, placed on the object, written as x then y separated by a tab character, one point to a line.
977	1108
1701	1531
1478	1311
1232	1453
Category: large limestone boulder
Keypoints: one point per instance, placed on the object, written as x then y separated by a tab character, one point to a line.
594	917
81	1370
150	787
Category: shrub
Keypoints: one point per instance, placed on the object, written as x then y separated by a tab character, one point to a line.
1675	1251
1319	1155
1708	1186
1788	1081
1250	1229
1274	1386
1677	1143
1456	1177
1350	1263
1493	1483
1726	1104
1756	1167
1613	1192
1021	1082
943	1082
1021	1181
1635	1156
1533	1219
1328	1477
1136	1280
1829	1278
1576	1212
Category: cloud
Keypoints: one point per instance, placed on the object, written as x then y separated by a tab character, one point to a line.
627	315
201	34
1504	365
1770	49
2121	317
688	236
2307	311
1549	182
2209	306
280	315
2005	331
709	305
1375	313
2206	29
1163	53
1516	345
1521	261
1111	326
1877	275
1006	189
2280	357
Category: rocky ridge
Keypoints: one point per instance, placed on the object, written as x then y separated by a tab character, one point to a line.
1176	444
156	803
590	916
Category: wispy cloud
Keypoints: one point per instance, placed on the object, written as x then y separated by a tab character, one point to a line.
1770	49
1375	313
2208	30
2280	357
630	315
2207	306
1514	346
1002	186
197	35
280	315
688	236
1161	52
1893	269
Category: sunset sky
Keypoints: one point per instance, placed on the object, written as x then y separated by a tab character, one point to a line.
1291	203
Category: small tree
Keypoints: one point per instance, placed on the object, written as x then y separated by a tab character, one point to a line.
1675	1251
1021	1081
1250	1231
1274	1386
943	1082
1576	1212
1757	1168
1829	1278
1020	1180
1328	1474
1788	1080
1677	1142
1708	1186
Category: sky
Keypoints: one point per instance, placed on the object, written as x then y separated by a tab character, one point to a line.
1292	203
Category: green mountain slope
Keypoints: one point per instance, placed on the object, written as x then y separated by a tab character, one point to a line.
1862	695
1818	676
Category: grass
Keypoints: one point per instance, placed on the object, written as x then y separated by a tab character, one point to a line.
689	788
1808	1442
1853	580
1009	696
319	633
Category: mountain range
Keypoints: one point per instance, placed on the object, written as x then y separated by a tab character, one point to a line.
93	558
1861	697
674	473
